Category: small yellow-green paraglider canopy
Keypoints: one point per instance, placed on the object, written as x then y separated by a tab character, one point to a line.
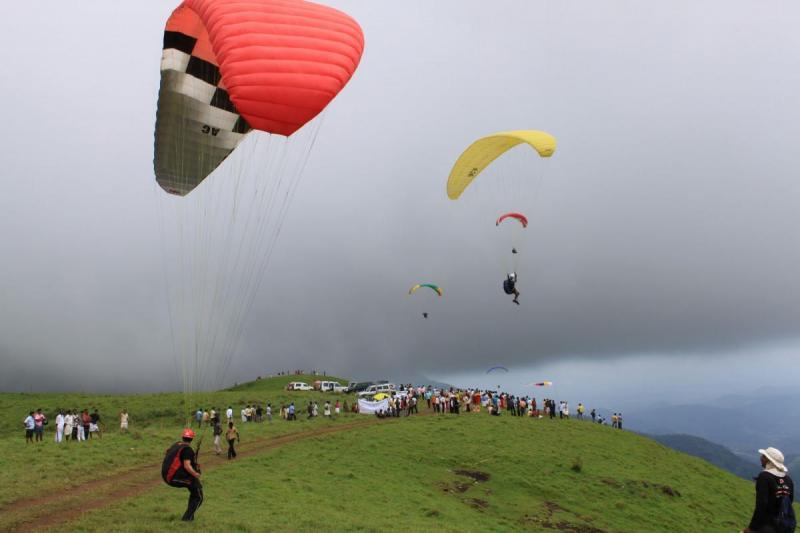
486	149
431	286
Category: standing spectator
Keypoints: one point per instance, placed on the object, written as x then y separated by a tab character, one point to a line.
268	412
337	408
59	426
243	414
69	424
206	418
619	420
290	414
39	422
123	421
30	424
259	413
76	423
80	435
232	435
580	411
198	416
327	409
86	420
94	425
594	415
229	414
614	420
774	496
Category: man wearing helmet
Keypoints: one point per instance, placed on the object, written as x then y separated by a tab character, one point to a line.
180	469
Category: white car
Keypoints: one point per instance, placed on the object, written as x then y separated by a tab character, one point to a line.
339	388
298	385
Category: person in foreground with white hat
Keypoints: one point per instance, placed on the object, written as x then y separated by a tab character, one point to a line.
774	496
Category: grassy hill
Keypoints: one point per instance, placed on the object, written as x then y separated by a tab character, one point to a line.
470	472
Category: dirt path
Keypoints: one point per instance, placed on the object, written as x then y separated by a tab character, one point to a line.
54	510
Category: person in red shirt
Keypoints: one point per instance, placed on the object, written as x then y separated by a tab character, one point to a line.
39	420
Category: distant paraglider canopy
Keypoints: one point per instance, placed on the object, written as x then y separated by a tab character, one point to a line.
522	219
497	369
431	286
542	384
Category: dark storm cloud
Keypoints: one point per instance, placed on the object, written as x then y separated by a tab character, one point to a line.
666	222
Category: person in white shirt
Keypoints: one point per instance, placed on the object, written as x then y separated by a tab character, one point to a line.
327	410
123	421
244	415
60	426
229	413
269	412
69	422
29	425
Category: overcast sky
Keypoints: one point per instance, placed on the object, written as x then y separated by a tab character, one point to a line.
663	247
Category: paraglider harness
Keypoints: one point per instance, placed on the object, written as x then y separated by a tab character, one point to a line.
509	285
172	463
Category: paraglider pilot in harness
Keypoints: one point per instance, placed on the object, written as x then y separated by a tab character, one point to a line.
180	469
510	286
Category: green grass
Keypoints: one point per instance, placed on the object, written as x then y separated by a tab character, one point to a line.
155	422
397	474
403	474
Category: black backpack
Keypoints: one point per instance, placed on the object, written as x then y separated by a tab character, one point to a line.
784	521
172	462
508	286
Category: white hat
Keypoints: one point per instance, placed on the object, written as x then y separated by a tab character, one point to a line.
775	457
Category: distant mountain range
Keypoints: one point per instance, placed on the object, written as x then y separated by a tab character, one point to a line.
742	423
715	454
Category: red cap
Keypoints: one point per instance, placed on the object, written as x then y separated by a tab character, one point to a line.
188	433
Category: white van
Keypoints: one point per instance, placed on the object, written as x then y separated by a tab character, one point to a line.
329	386
386	388
298	385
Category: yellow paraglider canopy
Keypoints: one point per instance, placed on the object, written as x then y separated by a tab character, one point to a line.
486	149
380	396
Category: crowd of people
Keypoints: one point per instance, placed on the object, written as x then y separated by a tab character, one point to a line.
455	401
70	425
78	426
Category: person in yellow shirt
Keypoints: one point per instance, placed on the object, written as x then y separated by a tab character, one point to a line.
232	435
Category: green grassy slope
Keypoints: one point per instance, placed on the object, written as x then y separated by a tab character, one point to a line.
466	473
155	422
456	473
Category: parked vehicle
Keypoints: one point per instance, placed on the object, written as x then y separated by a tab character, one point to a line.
359	387
387	388
298	385
327	386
